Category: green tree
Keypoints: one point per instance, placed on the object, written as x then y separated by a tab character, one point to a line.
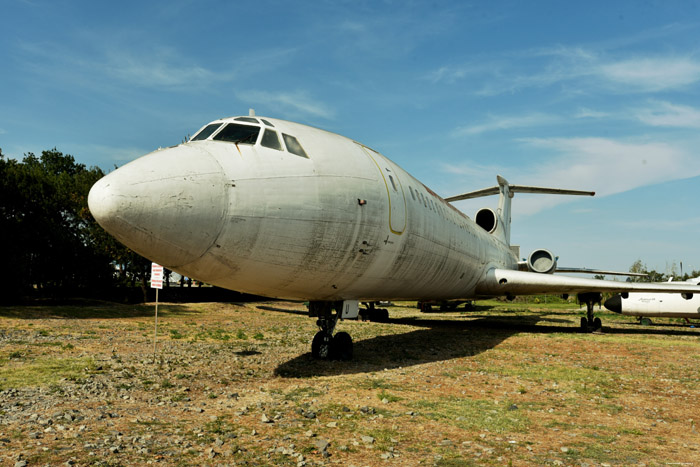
52	239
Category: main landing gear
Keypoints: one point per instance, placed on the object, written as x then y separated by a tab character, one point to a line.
324	344
372	313
589	323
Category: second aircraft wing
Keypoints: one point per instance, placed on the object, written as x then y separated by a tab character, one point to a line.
499	282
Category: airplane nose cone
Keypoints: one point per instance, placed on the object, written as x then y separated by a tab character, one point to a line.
168	206
614	303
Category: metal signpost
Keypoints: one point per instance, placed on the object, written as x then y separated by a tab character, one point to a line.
156	283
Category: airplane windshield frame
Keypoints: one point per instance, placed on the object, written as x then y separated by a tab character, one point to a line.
206	132
238	134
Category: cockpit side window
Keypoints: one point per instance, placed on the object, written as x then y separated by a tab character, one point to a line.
206	132
239	134
271	140
267	123
293	146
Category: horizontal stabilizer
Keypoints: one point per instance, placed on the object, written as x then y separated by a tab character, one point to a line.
519	189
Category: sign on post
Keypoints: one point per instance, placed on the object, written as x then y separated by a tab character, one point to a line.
156	283
156	276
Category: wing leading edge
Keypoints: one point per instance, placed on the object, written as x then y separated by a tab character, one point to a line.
499	282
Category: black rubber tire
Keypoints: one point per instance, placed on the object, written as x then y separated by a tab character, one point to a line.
321	346
597	324
584	323
383	315
341	346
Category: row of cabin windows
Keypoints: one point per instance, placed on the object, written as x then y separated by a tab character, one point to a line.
433	206
248	134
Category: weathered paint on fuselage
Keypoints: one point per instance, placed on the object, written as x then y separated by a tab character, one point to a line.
333	226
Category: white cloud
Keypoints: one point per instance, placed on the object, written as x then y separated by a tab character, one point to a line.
652	74
583	69
159	68
605	166
590	113
507	122
608	166
298	102
665	114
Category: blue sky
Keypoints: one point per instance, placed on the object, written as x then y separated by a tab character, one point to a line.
602	96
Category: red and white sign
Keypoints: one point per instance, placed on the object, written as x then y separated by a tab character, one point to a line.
156	276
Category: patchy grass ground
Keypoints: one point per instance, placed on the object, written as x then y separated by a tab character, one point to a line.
234	384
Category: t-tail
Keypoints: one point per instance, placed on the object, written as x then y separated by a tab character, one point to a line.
498	223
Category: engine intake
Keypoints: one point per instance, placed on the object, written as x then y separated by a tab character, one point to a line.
542	261
487	219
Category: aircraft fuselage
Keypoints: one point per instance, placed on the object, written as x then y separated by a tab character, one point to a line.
342	223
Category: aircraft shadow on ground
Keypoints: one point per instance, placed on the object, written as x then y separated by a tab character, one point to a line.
438	340
282	310
442	340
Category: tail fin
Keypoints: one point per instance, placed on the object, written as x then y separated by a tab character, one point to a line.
506	192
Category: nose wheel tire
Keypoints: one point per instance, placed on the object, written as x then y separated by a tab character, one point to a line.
321	345
341	346
327	347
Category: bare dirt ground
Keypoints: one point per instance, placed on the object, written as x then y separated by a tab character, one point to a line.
234	384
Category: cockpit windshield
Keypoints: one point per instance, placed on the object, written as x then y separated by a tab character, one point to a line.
239	134
206	132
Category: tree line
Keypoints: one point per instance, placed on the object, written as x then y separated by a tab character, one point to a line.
52	242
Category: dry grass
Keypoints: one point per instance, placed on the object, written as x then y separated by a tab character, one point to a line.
491	387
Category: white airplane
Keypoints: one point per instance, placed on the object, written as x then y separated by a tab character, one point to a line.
279	209
650	305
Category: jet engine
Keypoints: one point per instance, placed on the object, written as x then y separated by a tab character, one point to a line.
487	219
542	261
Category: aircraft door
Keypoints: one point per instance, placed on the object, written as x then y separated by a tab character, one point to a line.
394	188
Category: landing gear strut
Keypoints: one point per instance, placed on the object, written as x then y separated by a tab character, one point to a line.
589	323
324	344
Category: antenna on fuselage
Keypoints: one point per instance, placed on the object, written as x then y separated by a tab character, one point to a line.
251	112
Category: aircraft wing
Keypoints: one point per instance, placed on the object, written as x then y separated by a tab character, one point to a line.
499	282
598	271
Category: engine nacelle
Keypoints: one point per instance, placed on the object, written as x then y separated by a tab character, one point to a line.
542	261
487	219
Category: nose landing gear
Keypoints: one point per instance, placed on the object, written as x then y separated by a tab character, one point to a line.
325	345
589	323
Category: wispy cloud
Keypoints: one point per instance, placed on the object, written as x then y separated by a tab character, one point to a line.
652	74
507	122
606	166
590	113
609	166
297	102
666	114
586	69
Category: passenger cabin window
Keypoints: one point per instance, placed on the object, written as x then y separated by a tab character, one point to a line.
271	140
293	146
206	132
247	119
239	134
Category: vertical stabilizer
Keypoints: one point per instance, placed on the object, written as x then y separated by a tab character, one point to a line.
506	192
504	202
